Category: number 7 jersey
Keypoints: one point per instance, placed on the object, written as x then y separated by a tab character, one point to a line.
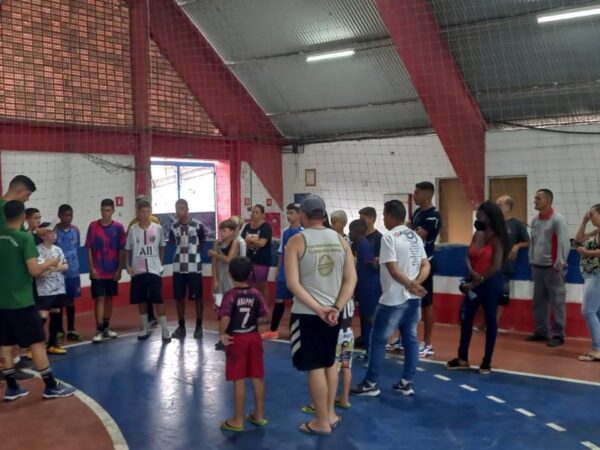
244	306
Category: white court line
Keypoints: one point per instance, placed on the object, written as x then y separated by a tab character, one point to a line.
555	426
495	399
441	377
525	412
468	388
420	369
590	445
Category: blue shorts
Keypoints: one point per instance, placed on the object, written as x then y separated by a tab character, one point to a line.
72	289
282	292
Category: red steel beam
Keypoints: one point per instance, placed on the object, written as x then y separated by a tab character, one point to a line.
452	110
223	97
140	82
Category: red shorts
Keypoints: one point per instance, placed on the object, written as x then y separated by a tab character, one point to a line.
244	357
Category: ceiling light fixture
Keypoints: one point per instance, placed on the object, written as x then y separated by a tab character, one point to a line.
330	55
570	14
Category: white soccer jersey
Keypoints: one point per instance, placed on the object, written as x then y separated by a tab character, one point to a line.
145	246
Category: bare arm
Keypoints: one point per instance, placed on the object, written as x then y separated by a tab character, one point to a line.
161	254
348	280
581	235
223	325
233	252
36	269
93	272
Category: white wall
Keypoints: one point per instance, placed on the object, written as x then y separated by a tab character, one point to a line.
354	174
253	188
568	164
74	179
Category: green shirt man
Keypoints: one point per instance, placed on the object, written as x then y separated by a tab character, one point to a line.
16	248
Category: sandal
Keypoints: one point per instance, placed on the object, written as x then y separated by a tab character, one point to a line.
343	405
228	427
254	421
588	357
306	429
308	409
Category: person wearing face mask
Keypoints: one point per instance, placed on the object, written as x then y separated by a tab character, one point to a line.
484	285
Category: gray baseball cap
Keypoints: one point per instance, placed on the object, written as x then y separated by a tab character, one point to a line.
311	204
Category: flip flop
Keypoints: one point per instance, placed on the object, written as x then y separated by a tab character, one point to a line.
306	429
588	357
343	405
228	427
337	422
259	423
308	409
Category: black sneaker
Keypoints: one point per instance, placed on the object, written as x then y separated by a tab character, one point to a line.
219	347
179	332
555	341
365	389
404	388
485	369
198	333
535	337
456	364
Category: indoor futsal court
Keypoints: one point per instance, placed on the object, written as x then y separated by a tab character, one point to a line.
299	224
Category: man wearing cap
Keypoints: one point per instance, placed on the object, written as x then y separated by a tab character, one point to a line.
320	272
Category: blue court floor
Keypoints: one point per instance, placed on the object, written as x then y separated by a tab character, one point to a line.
175	396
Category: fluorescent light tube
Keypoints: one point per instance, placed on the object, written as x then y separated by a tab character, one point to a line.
569	14
330	55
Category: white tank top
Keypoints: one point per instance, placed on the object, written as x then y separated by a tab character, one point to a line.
321	267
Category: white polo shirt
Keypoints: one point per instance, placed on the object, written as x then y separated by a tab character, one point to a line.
404	247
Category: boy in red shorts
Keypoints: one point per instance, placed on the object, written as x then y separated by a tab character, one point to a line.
239	315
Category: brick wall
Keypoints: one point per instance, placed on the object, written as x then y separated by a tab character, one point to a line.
67	61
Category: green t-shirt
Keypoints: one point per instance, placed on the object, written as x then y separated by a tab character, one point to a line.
16	247
2	216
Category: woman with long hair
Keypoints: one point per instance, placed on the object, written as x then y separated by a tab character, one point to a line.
484	284
588	246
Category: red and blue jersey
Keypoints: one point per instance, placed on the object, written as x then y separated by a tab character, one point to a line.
105	242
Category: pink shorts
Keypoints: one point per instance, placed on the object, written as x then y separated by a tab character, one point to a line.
259	273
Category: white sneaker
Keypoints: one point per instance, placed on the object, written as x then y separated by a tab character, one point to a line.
109	334
166	335
97	337
426	350
396	345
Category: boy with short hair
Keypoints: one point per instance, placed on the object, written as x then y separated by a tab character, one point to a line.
239	315
240	222
189	237
145	254
105	242
20	323
283	293
51	289
33	218
68	238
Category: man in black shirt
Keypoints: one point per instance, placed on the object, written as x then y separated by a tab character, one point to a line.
518	238
427	223
369	215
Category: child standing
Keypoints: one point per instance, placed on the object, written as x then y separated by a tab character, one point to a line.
51	289
239	317
68	239
189	237
145	253
283	293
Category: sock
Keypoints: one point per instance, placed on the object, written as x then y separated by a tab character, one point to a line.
53	329
198	323
278	311
163	322
99	327
144	318
9	376
70	318
105	324
48	377
181	323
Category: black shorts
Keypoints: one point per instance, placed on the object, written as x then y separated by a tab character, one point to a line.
428	285
47	302
187	284
105	288
22	327
146	288
313	342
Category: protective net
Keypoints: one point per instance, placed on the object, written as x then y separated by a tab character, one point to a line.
475	96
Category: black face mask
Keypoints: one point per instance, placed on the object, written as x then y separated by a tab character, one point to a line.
479	225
